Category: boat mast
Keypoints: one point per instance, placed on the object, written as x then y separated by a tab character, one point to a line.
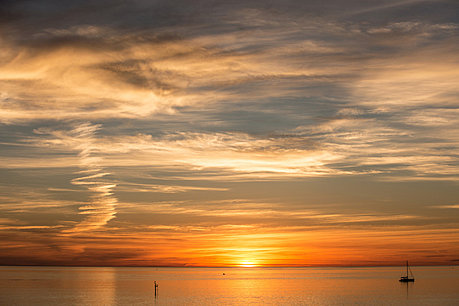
407	268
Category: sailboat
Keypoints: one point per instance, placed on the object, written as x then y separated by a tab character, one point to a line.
407	278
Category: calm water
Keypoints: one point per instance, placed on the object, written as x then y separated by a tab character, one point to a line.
240	286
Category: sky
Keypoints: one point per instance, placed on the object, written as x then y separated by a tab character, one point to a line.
229	133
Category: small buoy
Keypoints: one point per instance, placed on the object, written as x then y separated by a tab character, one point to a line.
224	274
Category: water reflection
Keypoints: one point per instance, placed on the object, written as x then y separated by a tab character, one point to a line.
407	286
94	286
205	286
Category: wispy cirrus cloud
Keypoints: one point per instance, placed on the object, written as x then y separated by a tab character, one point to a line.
352	143
145	187
395	100
101	207
454	206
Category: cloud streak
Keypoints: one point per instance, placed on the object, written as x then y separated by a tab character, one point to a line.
102	203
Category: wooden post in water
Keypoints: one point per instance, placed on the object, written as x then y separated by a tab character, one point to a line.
156	288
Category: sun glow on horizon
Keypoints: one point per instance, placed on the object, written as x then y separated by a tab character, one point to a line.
248	264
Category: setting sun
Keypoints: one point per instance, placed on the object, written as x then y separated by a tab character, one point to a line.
247	264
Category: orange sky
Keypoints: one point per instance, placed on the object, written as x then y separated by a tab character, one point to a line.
301	133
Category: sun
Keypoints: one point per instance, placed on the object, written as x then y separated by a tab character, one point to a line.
247	264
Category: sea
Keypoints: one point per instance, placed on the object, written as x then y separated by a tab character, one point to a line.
227	286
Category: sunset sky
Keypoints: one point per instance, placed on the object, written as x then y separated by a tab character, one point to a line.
229	133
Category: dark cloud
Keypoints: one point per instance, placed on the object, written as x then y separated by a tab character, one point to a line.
34	16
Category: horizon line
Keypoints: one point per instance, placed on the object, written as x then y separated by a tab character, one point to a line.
226	267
